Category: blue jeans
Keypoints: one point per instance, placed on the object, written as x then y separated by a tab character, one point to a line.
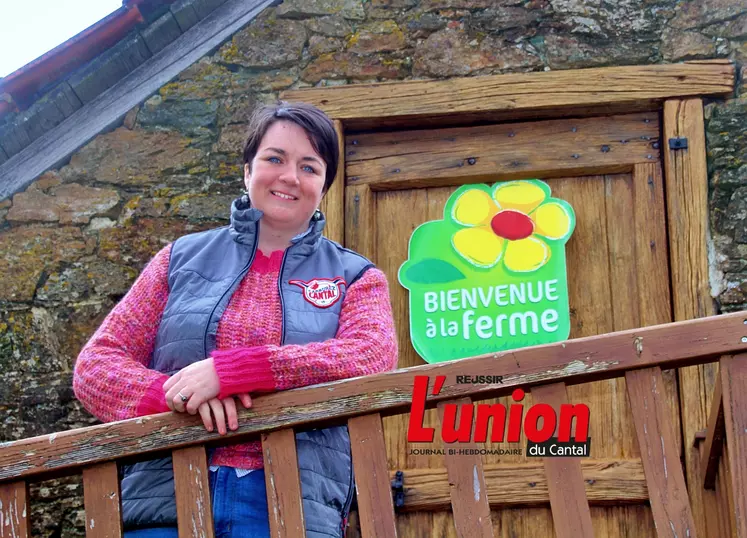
239	507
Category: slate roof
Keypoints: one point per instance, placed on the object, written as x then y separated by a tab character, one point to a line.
43	93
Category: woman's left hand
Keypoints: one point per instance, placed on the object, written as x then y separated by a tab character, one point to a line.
192	386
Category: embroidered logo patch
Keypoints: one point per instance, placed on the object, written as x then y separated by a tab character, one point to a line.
321	292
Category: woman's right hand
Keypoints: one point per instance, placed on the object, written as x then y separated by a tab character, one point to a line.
222	413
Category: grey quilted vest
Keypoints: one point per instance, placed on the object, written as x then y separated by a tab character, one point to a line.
205	270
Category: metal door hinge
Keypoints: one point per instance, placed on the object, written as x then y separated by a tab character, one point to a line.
398	489
678	143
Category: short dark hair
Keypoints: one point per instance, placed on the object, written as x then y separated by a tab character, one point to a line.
318	127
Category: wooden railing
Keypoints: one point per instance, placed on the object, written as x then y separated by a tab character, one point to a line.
638	355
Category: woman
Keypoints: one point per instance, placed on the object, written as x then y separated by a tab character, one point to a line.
264	304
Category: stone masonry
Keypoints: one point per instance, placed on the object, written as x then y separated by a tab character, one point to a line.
75	240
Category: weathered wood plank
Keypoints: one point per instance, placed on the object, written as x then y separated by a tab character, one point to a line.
14	510
601	265
619	232
687	216
360	229
714	441
392	244
283	484
602	272
607	482
396	214
333	203
375	507
733	376
193	507
438	157
467	488
652	264
664	475
573	361
101	501
687	205
59	143
652	261
570	509
366	106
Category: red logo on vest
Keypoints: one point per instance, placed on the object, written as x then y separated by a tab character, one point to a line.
321	292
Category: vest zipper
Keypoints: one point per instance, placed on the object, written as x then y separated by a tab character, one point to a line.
230	289
280	294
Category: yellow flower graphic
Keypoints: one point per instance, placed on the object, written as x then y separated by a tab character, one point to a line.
511	223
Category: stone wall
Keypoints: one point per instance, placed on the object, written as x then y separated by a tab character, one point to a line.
74	241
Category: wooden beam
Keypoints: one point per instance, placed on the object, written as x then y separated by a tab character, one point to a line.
687	208
496	97
733	376
59	143
607	482
714	441
573	361
283	484
101	501
570	508
193	504
432	158
686	190
467	487
14	510
368	449
661	463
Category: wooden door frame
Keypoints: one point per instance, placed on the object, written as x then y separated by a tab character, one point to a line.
676	90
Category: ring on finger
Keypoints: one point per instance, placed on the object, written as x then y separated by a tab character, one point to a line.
183	398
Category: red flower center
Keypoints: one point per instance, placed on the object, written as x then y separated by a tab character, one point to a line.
512	225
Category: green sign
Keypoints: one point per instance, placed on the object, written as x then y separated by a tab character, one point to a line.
491	275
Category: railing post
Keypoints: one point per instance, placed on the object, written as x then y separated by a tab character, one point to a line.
570	507
101	501
283	484
467	488
14	510
368	450
193	508
665	477
733	375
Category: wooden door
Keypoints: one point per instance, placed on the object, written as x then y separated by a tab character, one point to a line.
609	170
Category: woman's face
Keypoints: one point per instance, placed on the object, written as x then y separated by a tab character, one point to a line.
286	178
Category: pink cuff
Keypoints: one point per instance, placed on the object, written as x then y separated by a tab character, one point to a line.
244	369
154	399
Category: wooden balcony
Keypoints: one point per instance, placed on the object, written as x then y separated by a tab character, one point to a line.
639	355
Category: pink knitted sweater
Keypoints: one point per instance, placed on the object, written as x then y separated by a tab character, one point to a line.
113	383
